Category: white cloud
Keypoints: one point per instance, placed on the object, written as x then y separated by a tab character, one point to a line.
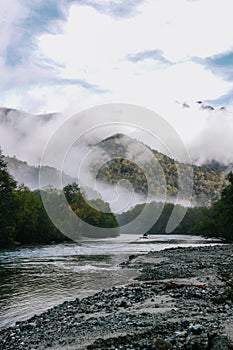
214	141
193	28
94	46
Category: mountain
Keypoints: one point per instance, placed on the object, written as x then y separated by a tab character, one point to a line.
29	175
10	115
160	173
24	135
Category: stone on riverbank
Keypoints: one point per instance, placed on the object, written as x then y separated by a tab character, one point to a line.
143	315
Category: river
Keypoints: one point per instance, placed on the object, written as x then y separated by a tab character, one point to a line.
35	278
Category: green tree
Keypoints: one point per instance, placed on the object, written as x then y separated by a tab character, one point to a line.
96	212
27	216
192	217
8	205
217	221
33	223
73	195
46	231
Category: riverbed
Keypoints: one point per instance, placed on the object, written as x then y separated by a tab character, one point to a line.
35	278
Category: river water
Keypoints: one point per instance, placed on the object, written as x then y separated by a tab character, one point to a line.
33	279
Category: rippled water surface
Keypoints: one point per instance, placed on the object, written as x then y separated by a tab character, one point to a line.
33	279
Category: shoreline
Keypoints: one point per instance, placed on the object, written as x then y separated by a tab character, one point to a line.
177	302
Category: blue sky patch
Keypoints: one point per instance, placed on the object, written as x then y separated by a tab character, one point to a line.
223	60
221	101
13	58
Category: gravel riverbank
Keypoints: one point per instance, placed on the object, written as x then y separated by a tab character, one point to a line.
182	299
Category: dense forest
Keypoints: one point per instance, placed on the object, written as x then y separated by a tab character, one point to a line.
192	217
23	218
217	221
214	221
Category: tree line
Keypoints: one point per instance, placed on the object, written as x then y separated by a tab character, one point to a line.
23	218
213	221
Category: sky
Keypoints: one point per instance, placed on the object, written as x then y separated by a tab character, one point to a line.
165	55
61	55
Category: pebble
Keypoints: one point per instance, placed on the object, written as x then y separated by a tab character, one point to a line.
194	318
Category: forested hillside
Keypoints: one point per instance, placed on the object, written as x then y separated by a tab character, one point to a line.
208	180
162	175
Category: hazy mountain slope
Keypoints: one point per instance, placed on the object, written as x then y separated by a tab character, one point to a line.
29	175
24	135
207	181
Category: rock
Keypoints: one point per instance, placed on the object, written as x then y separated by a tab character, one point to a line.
196	329
131	257
220	342
106	315
160	344
123	303
197	342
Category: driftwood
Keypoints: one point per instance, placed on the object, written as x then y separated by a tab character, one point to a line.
173	285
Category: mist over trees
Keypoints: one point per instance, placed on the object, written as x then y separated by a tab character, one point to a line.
214	221
23	218
22	215
191	218
161	172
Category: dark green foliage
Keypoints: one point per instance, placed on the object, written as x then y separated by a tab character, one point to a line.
33	223
217	221
190	219
96	212
73	195
23	218
7	205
